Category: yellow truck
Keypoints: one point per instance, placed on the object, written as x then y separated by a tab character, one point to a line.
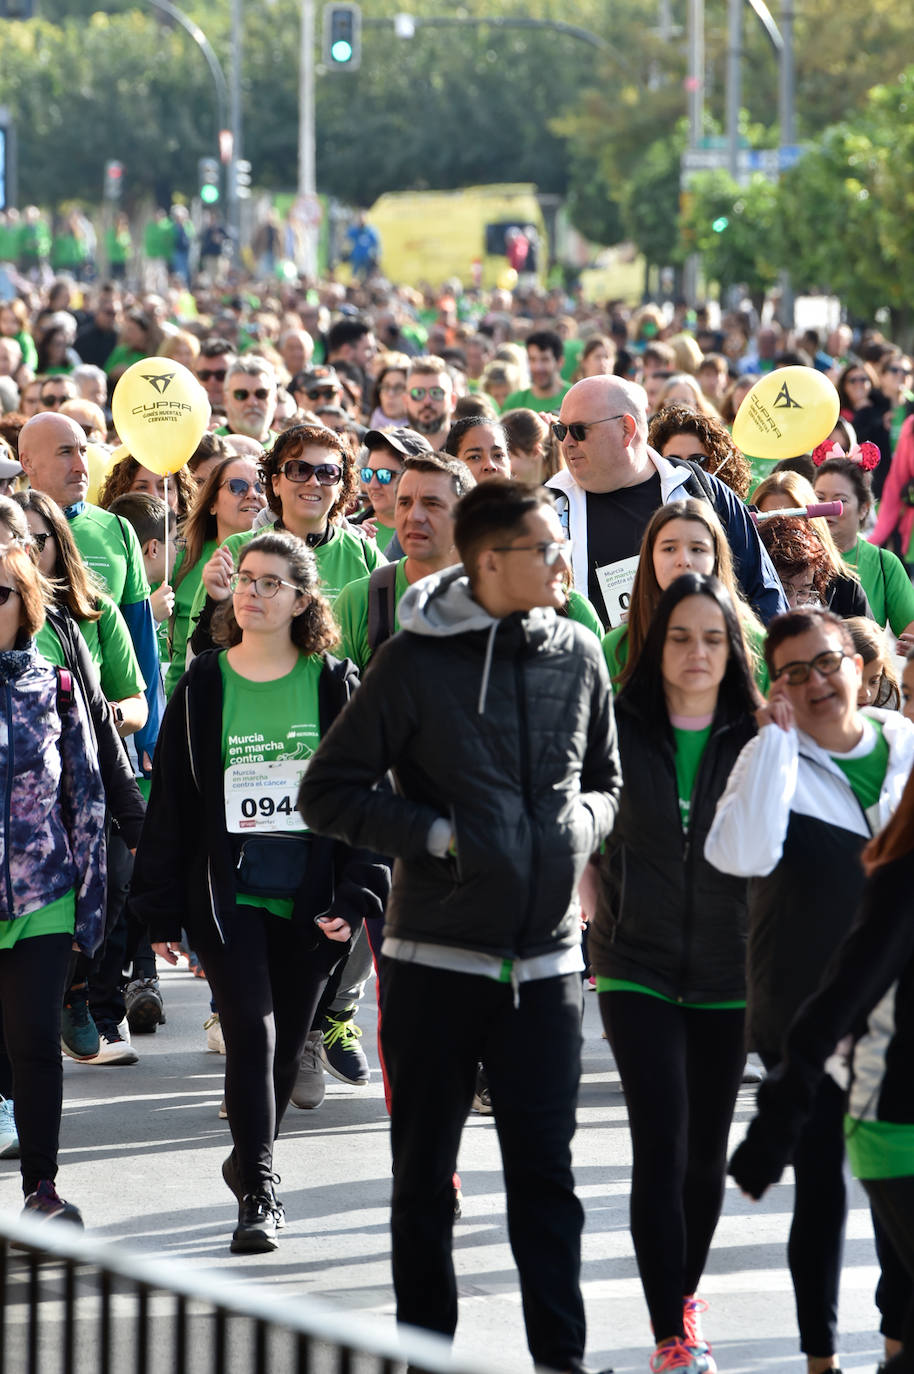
434	236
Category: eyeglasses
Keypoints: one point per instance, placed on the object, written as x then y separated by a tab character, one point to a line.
321	393
550	550
297	470
434	393
578	430
39	540
826	665
802	596
382	475
860	380
214	374
239	487
6	593
262	393
52	399
396	388
266	586
898	370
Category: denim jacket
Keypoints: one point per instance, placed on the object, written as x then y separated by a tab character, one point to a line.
53	805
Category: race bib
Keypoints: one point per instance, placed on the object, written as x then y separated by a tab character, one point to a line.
260	797
615	581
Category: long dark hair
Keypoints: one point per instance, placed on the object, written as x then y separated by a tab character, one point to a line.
737	693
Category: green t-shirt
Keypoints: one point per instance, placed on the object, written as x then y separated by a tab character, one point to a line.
579	608
121	357
112	550
179	627
277	725
384	536
879	1149
110	648
624	985
888	587
615	651
571	357
57	918
865	765
689	748
351	614
527	400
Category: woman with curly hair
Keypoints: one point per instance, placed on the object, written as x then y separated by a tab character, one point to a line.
679	431
129	475
269	907
802	563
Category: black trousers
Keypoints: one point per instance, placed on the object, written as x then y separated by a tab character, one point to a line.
815	1249
892	1201
267	980
437	1026
681	1069
33	977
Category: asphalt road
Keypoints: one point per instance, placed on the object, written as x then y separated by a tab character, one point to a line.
142	1148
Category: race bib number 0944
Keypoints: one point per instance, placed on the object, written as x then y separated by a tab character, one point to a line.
260	797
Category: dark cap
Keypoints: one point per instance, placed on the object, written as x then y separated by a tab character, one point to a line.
405	441
315	379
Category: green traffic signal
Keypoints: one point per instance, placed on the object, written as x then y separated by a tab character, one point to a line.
720	224
341	50
209	194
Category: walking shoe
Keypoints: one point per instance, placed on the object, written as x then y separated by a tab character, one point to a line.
233	1180
78	1032
482	1098
9	1136
255	1233
692	1309
113	1048
223	1111
215	1040
45	1205
145	1008
675	1354
341	1052
458	1197
310	1087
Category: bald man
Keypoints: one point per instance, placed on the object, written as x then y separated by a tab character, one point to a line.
614	483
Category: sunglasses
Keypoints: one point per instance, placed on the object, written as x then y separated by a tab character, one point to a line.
321	393
39	540
262	393
826	664
550	550
239	487
382	475
297	470
578	429
52	399
434	393
6	593
859	380
898	371
215	374
266	586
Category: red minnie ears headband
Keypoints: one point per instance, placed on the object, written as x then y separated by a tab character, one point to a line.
866	456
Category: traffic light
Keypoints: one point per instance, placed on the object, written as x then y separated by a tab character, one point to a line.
719	224
208	176
114	180
242	178
342	37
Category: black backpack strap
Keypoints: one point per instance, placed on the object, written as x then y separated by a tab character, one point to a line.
337	682
382	604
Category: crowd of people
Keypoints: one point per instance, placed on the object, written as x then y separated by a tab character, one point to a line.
466	629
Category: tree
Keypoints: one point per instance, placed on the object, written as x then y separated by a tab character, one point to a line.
736	229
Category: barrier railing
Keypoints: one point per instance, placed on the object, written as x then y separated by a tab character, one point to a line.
73	1304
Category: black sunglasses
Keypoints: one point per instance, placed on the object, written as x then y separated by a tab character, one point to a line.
215	374
297	470
262	393
39	540
239	487
52	399
383	475
321	393
578	428
6	593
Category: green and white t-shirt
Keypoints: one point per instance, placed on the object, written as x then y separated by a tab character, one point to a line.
269	732
865	765
112	550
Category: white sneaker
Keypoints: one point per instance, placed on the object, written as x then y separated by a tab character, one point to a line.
9	1136
113	1048
215	1040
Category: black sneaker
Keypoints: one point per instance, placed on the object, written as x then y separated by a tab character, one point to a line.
255	1233
78	1032
233	1180
145	1008
340	1050
45	1205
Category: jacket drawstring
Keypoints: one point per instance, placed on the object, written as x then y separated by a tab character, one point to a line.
486	670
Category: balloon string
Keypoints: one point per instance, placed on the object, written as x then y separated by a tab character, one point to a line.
167	522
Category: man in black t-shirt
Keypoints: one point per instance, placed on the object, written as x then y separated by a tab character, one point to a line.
613	484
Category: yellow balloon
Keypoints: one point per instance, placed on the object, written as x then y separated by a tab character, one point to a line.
160	413
786	413
507	279
100	460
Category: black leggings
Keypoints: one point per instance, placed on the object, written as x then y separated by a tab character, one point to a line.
267	981
681	1069
33	977
892	1201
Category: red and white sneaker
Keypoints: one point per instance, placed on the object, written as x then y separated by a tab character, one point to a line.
692	1310
676	1355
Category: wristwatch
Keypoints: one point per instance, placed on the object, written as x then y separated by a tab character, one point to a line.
117	713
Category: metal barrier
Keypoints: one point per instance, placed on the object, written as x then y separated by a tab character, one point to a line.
70	1304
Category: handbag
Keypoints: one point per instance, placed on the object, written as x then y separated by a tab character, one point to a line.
273	865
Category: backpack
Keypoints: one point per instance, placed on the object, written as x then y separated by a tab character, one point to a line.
382	604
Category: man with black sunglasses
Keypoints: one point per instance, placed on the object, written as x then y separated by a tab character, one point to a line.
430	398
250	399
211	367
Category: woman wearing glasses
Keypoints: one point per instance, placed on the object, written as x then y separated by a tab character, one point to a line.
668	944
388	396
310	480
805	796
229	501
269	908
